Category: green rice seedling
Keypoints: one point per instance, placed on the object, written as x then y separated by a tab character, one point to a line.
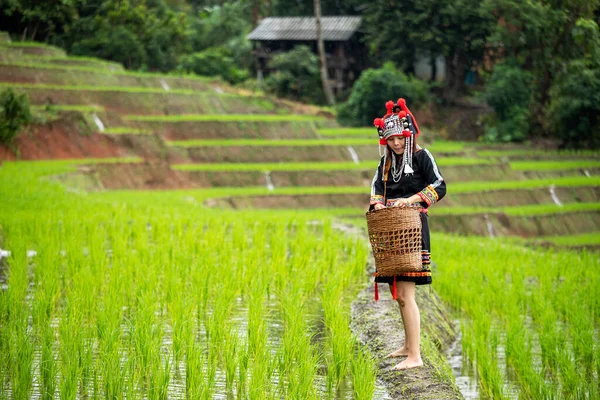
160	378
302	383
20	348
339	337
244	360
257	331
197	383
69	350
231	358
48	372
582	333
258	386
364	374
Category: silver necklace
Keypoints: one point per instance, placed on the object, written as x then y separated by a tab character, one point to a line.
396	172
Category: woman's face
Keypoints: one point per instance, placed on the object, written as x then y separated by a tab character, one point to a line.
397	144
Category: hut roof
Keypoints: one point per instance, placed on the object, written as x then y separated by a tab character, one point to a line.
304	28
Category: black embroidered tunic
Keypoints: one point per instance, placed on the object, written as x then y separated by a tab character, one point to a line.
427	182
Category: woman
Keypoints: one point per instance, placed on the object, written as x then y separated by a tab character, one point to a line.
409	175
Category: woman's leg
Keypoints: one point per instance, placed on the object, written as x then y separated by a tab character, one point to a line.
402	351
412	325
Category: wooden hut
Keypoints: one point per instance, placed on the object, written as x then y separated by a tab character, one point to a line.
346	54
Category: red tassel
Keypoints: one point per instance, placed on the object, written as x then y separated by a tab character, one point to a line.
378	122
402	104
394	291
382	141
389	106
376	292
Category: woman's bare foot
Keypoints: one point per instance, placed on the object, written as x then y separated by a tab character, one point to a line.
401	352
410	362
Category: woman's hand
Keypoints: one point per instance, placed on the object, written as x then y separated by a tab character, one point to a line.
402	203
378	206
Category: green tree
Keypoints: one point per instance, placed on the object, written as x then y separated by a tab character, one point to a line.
153	35
543	37
374	88
573	113
456	29
215	61
14	114
508	92
296	76
295	8
39	19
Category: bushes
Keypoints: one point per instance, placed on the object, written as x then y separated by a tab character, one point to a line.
14	114
374	88
296	76
574	112
115	44
215	61
138	34
507	92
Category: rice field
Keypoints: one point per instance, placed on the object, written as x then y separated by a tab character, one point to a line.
529	317
104	299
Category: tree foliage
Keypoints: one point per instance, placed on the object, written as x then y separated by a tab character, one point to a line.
558	44
509	94
296	76
374	88
14	114
456	29
215	61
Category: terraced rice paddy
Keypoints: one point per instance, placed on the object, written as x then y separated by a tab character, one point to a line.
236	281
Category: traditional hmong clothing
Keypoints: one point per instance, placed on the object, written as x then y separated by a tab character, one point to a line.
427	182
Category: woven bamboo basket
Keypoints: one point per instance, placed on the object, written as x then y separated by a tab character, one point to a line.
395	235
